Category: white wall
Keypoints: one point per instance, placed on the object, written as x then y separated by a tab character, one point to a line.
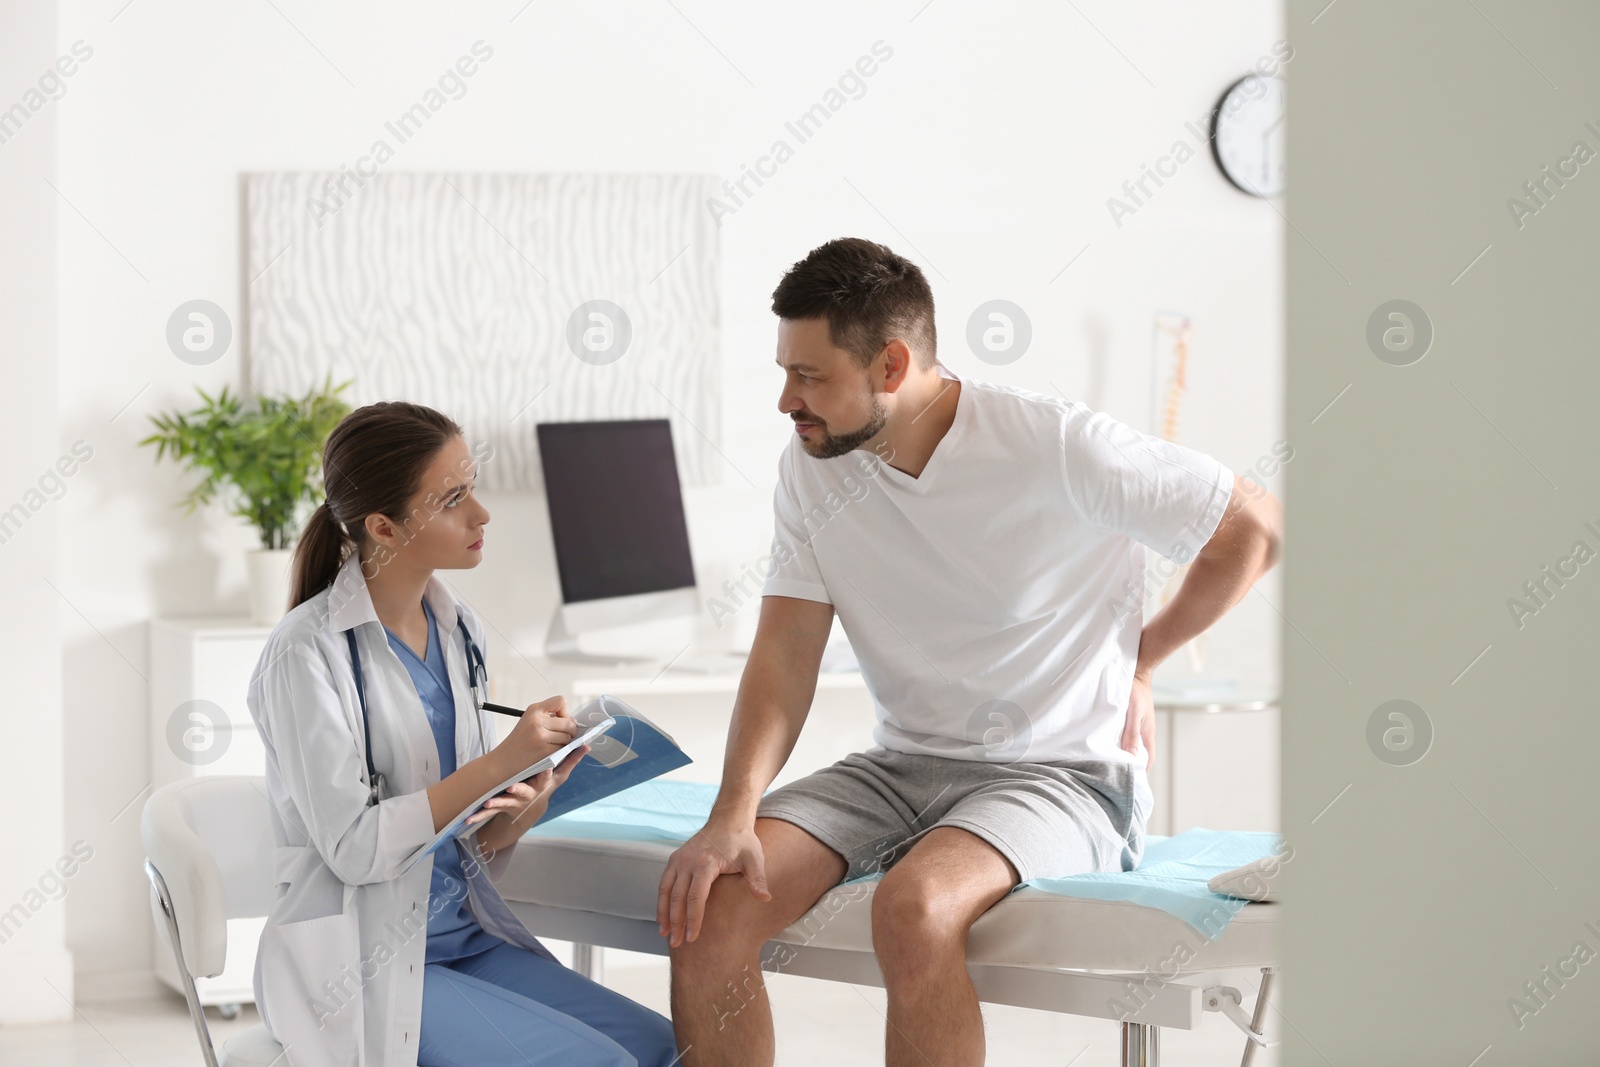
985	149
36	974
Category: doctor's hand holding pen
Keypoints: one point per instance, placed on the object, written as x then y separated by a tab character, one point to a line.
511	813
540	731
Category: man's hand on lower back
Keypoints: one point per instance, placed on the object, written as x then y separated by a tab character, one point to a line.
1141	720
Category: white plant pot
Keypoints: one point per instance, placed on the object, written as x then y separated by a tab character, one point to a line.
269	584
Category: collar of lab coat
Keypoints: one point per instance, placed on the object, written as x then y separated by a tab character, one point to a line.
350	606
350	603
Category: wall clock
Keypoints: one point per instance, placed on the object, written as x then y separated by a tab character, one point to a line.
1247	135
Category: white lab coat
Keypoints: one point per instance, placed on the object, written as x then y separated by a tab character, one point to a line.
338	976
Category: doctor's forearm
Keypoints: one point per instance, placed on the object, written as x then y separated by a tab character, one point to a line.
453	793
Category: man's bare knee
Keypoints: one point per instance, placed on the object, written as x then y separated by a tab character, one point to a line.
909	914
925	906
732	923
799	868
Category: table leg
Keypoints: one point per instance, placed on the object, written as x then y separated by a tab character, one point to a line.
588	961
1141	1045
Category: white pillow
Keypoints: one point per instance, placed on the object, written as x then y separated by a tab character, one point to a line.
1254	881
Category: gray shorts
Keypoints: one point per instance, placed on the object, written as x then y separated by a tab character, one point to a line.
1049	819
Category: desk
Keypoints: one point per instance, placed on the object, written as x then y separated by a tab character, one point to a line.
521	680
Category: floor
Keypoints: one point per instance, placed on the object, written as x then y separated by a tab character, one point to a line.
817	1022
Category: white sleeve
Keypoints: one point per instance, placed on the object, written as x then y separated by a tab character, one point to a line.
319	765
794	570
1165	496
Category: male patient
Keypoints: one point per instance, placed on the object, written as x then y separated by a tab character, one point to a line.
984	547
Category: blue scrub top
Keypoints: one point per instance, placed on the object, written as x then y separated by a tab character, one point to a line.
452	931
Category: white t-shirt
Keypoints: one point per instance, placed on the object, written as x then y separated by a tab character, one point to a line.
995	602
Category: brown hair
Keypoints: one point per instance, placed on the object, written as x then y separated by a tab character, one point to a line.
372	462
867	293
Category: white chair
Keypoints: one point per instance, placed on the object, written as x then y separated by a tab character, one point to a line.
208	843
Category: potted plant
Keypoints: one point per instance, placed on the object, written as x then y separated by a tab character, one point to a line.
266	458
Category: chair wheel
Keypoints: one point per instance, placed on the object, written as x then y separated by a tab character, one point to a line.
228	1011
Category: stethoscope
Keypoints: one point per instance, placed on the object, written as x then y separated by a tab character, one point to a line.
477	671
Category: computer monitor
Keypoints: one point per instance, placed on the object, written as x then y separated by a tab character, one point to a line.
617	522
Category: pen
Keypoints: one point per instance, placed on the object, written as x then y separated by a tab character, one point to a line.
503	709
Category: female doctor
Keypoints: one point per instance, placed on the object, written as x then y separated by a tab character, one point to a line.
363	960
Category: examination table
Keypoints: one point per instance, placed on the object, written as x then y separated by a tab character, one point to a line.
1118	947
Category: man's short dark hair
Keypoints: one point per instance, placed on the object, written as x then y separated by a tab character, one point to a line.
867	293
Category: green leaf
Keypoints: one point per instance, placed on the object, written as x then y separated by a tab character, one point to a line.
264	459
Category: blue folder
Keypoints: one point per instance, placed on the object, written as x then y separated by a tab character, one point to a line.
634	750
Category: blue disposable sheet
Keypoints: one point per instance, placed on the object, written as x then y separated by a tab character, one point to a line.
658	810
1173	873
1171	876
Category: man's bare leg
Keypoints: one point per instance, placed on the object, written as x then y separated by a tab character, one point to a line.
720	1013
922	911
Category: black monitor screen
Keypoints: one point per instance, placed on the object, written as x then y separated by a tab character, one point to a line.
616	510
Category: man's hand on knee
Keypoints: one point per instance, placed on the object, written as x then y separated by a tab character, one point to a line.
716	850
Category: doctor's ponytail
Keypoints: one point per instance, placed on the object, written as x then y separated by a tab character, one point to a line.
317	556
373	462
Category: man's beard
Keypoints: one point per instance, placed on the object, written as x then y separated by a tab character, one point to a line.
833	445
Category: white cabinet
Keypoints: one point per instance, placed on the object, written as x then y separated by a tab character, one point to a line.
199	724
